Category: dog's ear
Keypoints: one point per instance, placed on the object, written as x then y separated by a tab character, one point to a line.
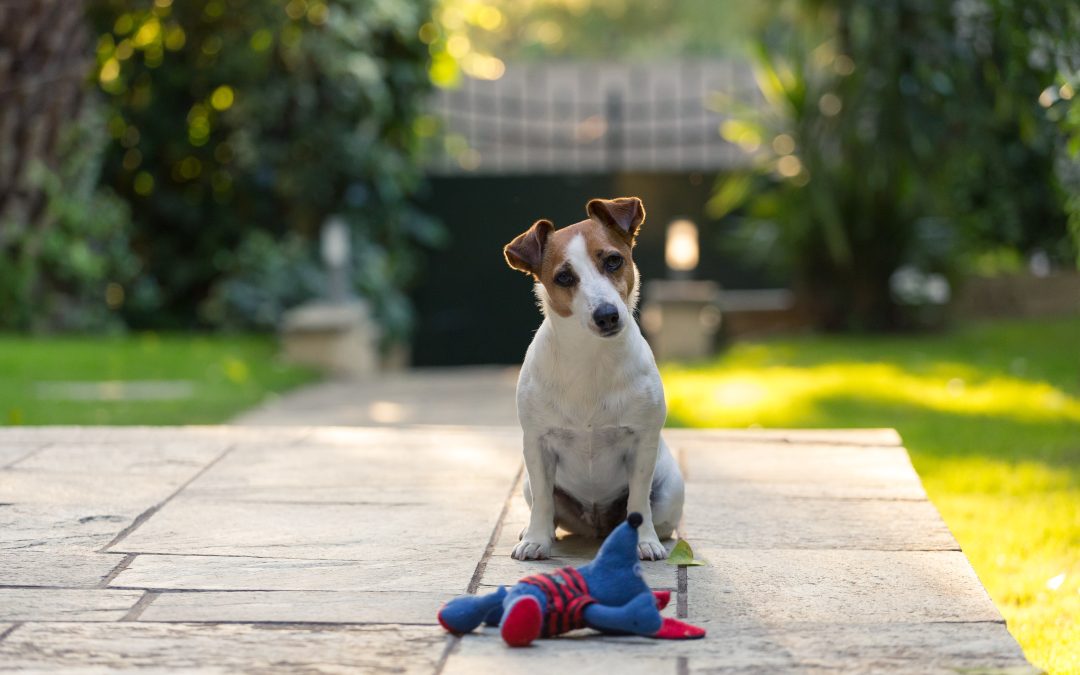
624	215
526	251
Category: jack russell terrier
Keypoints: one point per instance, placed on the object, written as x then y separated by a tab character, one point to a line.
589	396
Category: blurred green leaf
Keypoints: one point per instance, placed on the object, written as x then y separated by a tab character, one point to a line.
683	556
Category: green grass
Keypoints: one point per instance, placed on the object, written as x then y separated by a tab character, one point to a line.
227	374
991	416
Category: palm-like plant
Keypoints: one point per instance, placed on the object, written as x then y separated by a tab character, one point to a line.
886	140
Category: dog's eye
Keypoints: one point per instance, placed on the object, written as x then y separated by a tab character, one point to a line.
565	279
613	262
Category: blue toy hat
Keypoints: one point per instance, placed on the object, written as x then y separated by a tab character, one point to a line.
620	547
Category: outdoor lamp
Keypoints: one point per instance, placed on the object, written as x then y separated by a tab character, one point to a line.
681	247
334	246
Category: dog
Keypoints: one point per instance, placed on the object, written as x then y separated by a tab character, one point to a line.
589	396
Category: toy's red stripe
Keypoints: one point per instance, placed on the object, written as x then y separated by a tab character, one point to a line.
567	597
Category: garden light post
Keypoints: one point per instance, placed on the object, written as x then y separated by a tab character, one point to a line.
681	315
335	249
336	334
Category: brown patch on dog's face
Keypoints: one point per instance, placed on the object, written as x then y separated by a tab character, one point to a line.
608	237
608	253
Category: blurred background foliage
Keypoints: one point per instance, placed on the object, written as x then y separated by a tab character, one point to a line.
476	37
902	145
938	155
239	126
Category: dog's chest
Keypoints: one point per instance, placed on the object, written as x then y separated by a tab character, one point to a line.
592	462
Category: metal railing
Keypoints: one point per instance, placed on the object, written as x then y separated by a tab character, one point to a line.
590	117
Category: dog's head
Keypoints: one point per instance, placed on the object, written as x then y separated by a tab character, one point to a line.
585	270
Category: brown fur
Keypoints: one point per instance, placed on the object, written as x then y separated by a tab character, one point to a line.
612	228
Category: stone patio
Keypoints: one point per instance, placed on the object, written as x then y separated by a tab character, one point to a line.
329	549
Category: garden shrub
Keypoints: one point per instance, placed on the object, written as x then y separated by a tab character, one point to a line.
240	126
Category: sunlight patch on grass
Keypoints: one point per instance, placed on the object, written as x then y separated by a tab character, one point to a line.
772	395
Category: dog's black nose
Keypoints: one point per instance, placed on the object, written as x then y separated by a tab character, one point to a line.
635	520
606	317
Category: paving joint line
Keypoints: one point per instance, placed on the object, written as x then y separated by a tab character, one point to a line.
115	572
136	611
682	666
9	630
12	463
496	532
682	583
148	513
452	641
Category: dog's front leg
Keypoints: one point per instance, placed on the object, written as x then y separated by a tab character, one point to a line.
535	544
642	466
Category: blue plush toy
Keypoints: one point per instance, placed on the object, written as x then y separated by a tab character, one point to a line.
607	595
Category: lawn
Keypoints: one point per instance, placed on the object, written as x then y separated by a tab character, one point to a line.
991	416
140	379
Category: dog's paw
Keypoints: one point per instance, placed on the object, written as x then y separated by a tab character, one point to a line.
651	549
531	549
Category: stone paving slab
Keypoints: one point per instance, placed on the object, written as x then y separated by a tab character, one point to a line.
36	567
65	604
233	573
378	607
11	453
473	395
897	648
224	549
777	586
837	471
749	517
220	648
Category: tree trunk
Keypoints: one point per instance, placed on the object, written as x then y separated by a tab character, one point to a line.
45	56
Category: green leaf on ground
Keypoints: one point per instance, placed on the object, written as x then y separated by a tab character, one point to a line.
682	555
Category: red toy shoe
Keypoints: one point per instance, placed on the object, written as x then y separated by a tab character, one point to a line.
522	622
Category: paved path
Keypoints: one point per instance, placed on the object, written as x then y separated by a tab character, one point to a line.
329	550
482	395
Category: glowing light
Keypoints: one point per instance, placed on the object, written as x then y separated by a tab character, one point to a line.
109	71
123	24
143	183
681	247
222	98
742	134
429	33
489	18
789	166
1066	92
147	34
175	38
261	40
548	32
124	50
387	412
318	13
296	9
1048	97
458	46
783	144
830	105
843	65
444	70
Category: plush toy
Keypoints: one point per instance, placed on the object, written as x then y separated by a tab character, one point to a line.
608	595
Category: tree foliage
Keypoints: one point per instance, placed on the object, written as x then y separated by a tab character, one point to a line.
898	134
477	36
240	126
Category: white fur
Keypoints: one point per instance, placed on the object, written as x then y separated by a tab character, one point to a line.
591	409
